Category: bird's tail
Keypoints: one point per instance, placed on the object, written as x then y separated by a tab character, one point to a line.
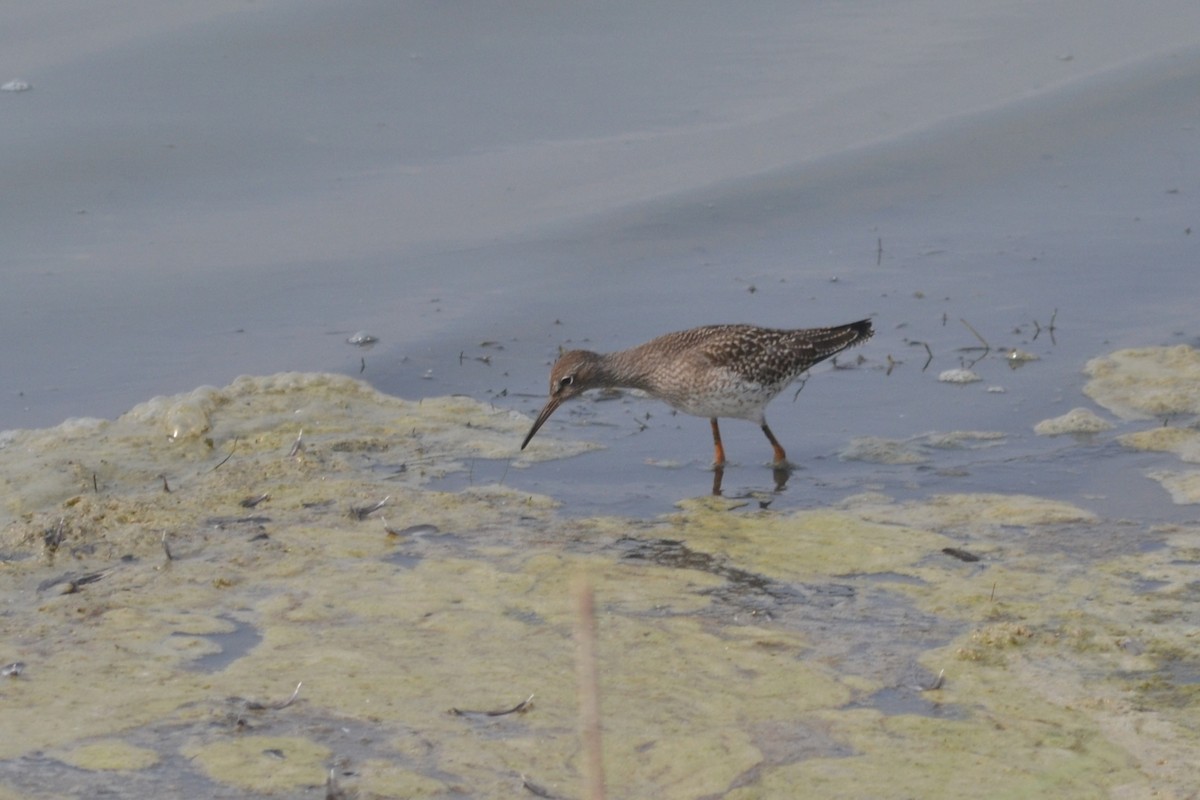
831	341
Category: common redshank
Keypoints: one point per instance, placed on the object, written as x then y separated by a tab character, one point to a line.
714	371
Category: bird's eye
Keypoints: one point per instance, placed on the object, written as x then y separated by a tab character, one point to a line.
566	381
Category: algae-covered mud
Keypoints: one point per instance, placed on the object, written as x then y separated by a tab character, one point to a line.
252	592
1161	384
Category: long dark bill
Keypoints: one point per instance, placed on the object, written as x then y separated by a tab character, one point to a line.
544	415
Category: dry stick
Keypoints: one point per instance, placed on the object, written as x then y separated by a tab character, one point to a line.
232	448
589	689
928	352
256	706
986	347
298	446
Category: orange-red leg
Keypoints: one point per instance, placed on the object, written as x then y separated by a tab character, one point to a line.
718	448
780	456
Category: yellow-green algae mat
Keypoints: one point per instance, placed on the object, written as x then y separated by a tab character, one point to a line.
1159	384
743	653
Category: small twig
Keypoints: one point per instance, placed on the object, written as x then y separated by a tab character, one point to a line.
226	458
928	353
986	347
95	484
538	791
53	538
937	682
70	582
424	529
960	554
166	547
519	708
362	512
879	251
251	502
800	388
166	486
993	597
298	447
504	474
332	792
892	364
362	365
256	706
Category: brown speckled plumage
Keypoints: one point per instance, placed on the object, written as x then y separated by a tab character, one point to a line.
714	371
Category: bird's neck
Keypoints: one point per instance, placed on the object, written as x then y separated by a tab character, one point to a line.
623	370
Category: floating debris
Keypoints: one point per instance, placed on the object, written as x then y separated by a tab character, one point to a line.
1184	487
362	339
880	450
962	376
1183	442
1146	382
12	670
1077	420
1018	358
16	85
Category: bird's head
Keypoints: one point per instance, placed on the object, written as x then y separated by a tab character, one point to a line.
574	373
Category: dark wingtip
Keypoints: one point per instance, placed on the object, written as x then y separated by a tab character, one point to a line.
863	328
